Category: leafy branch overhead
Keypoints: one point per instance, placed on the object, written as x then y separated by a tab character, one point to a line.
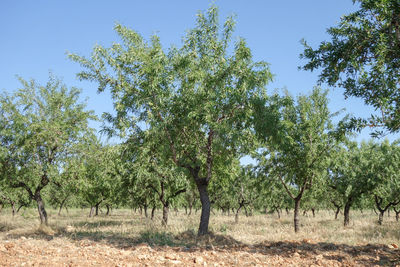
363	57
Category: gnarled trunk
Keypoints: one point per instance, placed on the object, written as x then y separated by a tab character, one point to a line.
205	207
347	213
41	209
165	214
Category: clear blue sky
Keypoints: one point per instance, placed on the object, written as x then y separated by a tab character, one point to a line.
35	36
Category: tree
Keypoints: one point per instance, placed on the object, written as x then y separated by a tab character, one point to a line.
100	181
299	146
196	99
387	192
363	57
42	123
155	172
352	173
271	190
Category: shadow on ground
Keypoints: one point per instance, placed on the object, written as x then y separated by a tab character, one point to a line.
365	255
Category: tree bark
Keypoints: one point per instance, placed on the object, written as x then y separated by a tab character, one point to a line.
347	213
205	206
279	214
337	212
165	214
41	209
397	212
237	214
313	212
296	214
153	210
91	211
13	208
190	210
97	209
380	218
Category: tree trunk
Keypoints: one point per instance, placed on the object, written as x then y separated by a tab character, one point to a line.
13	208
91	211
380	218
20	206
41	209
108	209
347	213
176	211
62	205
97	209
190	210
246	212
205	207
313	212
153	210
337	212
296	214
287	210
237	214
278	212
145	211
165	214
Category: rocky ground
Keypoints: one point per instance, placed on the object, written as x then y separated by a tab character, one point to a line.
220	251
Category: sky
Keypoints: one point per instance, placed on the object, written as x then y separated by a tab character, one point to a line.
36	36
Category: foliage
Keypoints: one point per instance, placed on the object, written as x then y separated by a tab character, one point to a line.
363	57
39	127
298	148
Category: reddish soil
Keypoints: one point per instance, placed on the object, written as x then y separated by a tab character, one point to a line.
59	251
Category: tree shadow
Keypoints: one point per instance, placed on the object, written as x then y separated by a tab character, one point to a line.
365	255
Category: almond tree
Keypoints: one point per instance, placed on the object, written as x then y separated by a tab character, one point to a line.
196	98
40	124
352	173
387	192
363	57
299	142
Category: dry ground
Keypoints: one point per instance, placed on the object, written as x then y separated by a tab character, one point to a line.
128	239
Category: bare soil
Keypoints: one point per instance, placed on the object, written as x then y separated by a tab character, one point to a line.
129	239
214	250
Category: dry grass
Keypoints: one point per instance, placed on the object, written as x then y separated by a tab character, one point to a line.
124	228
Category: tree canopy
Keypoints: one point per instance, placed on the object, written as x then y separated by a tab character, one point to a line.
196	99
363	57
